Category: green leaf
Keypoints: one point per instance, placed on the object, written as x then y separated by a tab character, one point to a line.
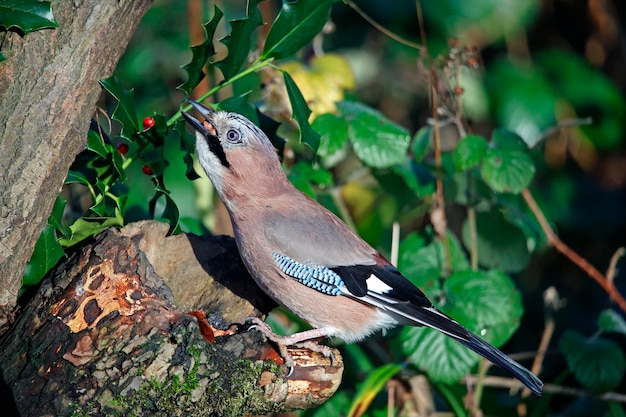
486	303
334	134
297	24
239	41
303	175
507	167
200	54
424	264
46	255
376	140
611	321
422	142
124	112
170	209
301	113
86	227
26	15
370	388
501	244
597	363
56	216
2	57
469	152
96	144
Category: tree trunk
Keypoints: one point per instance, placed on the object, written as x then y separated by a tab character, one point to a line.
107	334
48	90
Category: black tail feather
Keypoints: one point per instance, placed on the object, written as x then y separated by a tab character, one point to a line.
500	359
433	318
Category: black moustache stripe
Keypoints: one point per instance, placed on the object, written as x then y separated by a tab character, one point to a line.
216	147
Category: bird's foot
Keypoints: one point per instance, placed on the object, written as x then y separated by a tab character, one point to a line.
306	339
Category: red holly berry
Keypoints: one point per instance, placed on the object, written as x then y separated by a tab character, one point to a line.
147	170
122	148
148	122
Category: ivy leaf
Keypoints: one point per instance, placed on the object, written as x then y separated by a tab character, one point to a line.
376	140
597	363
296	25
26	15
124	112
611	321
301	113
200	54
239	41
46	255
501	244
487	303
469	152
507	167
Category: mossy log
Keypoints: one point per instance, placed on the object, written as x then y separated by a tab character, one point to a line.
107	333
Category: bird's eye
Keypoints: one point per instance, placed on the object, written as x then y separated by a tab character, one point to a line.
233	136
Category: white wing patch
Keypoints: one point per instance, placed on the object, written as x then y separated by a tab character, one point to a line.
374	284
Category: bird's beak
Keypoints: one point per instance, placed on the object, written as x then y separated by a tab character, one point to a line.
205	127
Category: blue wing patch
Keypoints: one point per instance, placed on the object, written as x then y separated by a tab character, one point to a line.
317	277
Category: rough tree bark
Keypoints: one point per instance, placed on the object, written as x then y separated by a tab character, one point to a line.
48	90
107	334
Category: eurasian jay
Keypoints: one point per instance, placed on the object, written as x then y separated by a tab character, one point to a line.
305	257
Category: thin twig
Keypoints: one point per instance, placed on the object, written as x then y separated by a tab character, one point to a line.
610	272
382	29
504	382
578	260
563	124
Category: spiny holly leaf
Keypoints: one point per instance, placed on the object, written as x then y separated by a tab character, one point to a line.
239	41
47	253
376	140
26	15
301	113
124	112
90	226
170	210
597	363
200	54
296	25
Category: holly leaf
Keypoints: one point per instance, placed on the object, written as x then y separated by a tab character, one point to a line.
46	255
200	54
296	25
300	113
26	16
376	140
239	41
124	112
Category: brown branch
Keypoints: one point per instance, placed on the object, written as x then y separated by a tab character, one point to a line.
569	253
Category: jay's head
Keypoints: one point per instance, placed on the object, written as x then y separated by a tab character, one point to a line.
234	152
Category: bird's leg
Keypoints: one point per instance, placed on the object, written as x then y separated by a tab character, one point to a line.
304	339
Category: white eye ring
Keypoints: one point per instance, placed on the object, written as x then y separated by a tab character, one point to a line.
233	136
